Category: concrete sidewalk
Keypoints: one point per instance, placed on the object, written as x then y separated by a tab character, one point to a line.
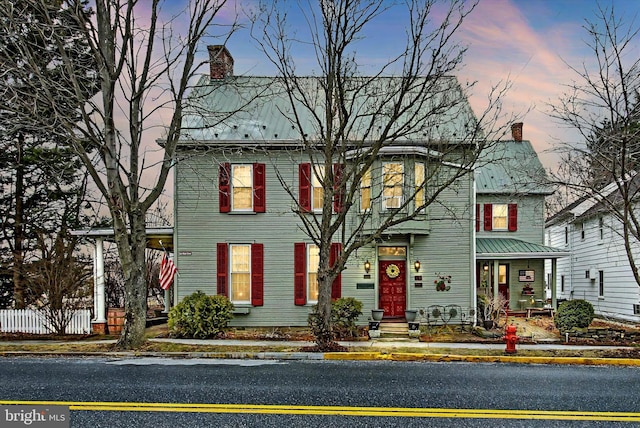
372	350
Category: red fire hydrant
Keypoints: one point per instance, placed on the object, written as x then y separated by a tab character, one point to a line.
510	338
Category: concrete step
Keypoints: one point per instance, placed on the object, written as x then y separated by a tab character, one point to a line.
390	329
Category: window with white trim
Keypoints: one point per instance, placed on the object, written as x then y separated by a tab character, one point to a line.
313	261
419	180
393	180
365	191
317	191
242	187
500	216
240	270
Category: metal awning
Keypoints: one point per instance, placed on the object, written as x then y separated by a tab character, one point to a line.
510	248
155	235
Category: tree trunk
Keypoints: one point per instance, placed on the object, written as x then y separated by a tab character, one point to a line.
135	302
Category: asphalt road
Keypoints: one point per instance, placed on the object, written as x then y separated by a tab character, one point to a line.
247	393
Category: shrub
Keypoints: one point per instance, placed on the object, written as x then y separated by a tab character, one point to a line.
200	316
574	313
344	314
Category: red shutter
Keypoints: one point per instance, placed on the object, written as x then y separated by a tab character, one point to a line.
224	187
336	286
477	217
222	268
488	217
257	274
300	273
513	217
304	191
259	188
338	188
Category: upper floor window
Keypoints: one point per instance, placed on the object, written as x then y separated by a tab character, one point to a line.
393	181
581	230
365	191
241	187
501	217
419	180
317	191
601	227
311	188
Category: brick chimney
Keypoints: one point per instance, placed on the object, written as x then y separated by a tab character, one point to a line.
220	62
516	131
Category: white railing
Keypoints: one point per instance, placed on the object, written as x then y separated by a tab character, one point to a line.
34	322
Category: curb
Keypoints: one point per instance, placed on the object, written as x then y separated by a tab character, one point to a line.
343	356
370	356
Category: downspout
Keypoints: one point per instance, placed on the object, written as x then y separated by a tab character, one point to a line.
474	290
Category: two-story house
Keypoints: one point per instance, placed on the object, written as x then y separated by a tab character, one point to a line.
511	187
598	269
240	174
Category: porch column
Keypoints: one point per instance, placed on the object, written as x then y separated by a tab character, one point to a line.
167	300
496	279
554	297
99	322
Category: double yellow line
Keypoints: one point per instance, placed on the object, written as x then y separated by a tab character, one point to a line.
410	412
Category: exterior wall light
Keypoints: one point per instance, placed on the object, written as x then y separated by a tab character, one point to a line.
416	265
485	267
367	266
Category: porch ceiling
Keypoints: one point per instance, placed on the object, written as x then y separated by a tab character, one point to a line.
510	248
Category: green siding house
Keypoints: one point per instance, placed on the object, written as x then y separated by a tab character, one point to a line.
240	177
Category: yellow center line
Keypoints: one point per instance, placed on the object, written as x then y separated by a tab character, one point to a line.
575	415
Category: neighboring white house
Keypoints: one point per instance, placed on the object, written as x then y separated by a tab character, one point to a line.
598	270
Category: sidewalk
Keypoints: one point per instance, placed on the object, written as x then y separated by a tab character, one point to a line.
372	350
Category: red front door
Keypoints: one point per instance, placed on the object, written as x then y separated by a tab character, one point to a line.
393	287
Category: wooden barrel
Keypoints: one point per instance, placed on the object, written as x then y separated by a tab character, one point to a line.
115	320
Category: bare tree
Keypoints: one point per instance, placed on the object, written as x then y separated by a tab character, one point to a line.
145	66
602	104
356	116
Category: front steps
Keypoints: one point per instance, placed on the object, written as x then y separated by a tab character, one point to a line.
394	329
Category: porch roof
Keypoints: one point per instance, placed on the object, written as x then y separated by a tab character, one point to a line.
510	248
158	238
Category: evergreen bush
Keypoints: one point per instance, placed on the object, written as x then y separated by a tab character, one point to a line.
574	314
344	314
199	316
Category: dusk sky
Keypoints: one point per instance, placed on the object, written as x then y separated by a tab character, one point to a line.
526	41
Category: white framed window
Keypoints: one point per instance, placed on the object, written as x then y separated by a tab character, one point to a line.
601	228
365	191
242	187
393	181
313	261
317	191
419	180
500	213
240	272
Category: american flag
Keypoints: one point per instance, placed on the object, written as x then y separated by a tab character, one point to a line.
167	272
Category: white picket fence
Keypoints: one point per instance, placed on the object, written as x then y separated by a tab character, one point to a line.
33	322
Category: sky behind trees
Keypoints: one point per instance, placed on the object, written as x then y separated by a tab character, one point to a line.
526	41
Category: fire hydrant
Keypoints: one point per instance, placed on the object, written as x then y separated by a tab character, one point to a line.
510	338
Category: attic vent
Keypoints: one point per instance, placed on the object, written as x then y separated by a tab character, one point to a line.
636	309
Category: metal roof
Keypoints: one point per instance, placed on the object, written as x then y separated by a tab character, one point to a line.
250	109
511	167
510	248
